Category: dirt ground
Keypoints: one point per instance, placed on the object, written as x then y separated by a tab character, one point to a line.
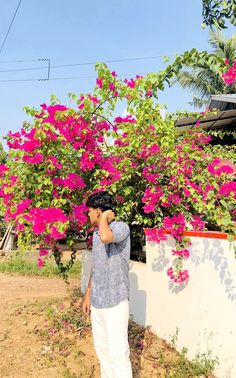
23	301
33	342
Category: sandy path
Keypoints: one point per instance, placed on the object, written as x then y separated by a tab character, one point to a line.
17	289
21	350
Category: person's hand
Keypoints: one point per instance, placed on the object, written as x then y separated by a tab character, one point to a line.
109	215
86	307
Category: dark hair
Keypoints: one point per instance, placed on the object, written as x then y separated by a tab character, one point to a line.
101	200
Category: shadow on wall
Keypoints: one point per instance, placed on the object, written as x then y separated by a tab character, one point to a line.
138	308
214	251
138	301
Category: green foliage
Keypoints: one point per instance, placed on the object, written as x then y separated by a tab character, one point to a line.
3	154
129	150
216	12
202	365
204	78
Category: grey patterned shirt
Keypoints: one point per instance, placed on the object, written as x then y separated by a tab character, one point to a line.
110	267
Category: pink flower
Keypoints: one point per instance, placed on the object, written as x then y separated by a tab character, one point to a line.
3	169
175	225
226	169
112	87
120	198
180	277
187	193
31	145
22	206
40	263
230	76
154	149
38	228
36	159
79	213
197	223
181	252
73	181
99	82
56	234
218	167
149	208
130	83
94	99
155	235
43	252
149	93
128	119
228	188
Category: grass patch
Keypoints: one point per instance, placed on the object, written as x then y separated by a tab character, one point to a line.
23	266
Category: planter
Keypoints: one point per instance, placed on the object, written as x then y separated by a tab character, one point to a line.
204	310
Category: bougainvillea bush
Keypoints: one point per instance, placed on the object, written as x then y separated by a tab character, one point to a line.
164	180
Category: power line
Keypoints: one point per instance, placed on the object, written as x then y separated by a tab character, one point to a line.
8	31
18	61
86	63
65	78
34	60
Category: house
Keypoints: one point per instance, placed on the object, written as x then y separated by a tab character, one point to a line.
224	119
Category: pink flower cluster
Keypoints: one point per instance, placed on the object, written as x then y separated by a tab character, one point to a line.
3	169
35	159
151	198
216	168
179	277
197	223
79	213
156	235
175	225
228	188
42	253
180	252
230	76
128	119
130	83
72	181
150	176
41	218
148	151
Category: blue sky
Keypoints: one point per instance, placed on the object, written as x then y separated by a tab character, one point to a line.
75	31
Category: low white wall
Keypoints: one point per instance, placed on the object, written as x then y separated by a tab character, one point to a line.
204	311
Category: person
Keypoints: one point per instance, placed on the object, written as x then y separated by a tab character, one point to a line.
107	294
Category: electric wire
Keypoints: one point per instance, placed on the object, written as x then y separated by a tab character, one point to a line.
64	78
84	63
9	28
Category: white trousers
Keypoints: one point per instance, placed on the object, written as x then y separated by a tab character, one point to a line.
110	337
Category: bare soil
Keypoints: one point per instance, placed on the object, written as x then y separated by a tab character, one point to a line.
33	345
23	304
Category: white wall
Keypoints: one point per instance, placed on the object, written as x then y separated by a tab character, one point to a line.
204	310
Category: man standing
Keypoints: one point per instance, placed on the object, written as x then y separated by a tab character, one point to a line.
107	295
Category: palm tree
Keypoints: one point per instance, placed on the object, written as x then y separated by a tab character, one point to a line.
3	154
204	81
